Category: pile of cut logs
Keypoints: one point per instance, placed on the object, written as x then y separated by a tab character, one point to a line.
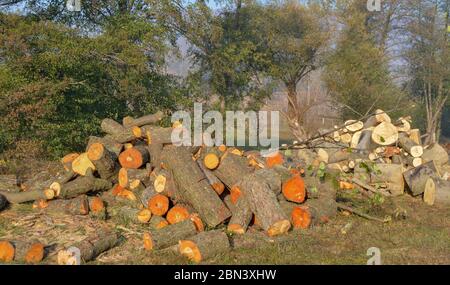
381	155
197	199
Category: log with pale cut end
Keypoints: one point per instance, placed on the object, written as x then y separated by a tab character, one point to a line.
414	135
75	206
322	155
346	138
436	153
28	196
108	142
215	183
104	161
157	223
81	164
429	192
381	116
413	161
232	169
403	125
410	146
169	235
193	186
82	185
134	157
264	204
31	252
240	218
416	178
128	176
141	216
355	139
389	174
204	245
89	248
144	120
68	159
157	134
385	134
353	125
442	193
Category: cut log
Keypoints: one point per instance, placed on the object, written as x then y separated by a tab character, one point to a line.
193	186
403	125
204	245
240	218
355	139
68	159
436	153
381	116
417	178
6	251
414	135
294	189
108	142
157	222
144	120
82	163
88	249
385	134
29	252
97	208
429	192
83	185
307	156
158	205
410	146
389	174
104	161
134	157
274	159
442	193
129	176
299	216
118	132
215	183
413	161
365	141
231	169
28	196
169	235
264	204
353	125
177	214
75	206
344	154
140	216
157	135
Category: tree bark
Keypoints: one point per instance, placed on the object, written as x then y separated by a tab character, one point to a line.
169	235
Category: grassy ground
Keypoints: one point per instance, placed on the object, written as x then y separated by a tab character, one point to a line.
422	236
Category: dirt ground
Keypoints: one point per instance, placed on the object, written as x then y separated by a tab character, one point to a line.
417	234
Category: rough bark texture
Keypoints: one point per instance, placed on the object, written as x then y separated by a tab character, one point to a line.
436	153
83	185
109	143
144	120
104	161
232	169
442	197
208	244
215	183
8	182
26	196
75	206
128	176
193	186
169	235
410	146
240	218
416	178
389	174
91	247
264	204
28	251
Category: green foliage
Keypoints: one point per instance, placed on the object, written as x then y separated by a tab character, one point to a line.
356	72
56	85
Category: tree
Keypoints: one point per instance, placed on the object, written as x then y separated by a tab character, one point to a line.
428	58
356	72
56	84
293	37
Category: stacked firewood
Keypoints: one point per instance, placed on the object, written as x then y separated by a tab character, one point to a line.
198	198
381	155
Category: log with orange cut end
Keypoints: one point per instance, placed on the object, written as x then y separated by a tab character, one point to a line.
294	189
68	159
117	190
134	157
6	251
235	193
344	185
211	161
177	213
169	235
195	218
275	159
158	222
204	245
28	252
158	205
301	217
